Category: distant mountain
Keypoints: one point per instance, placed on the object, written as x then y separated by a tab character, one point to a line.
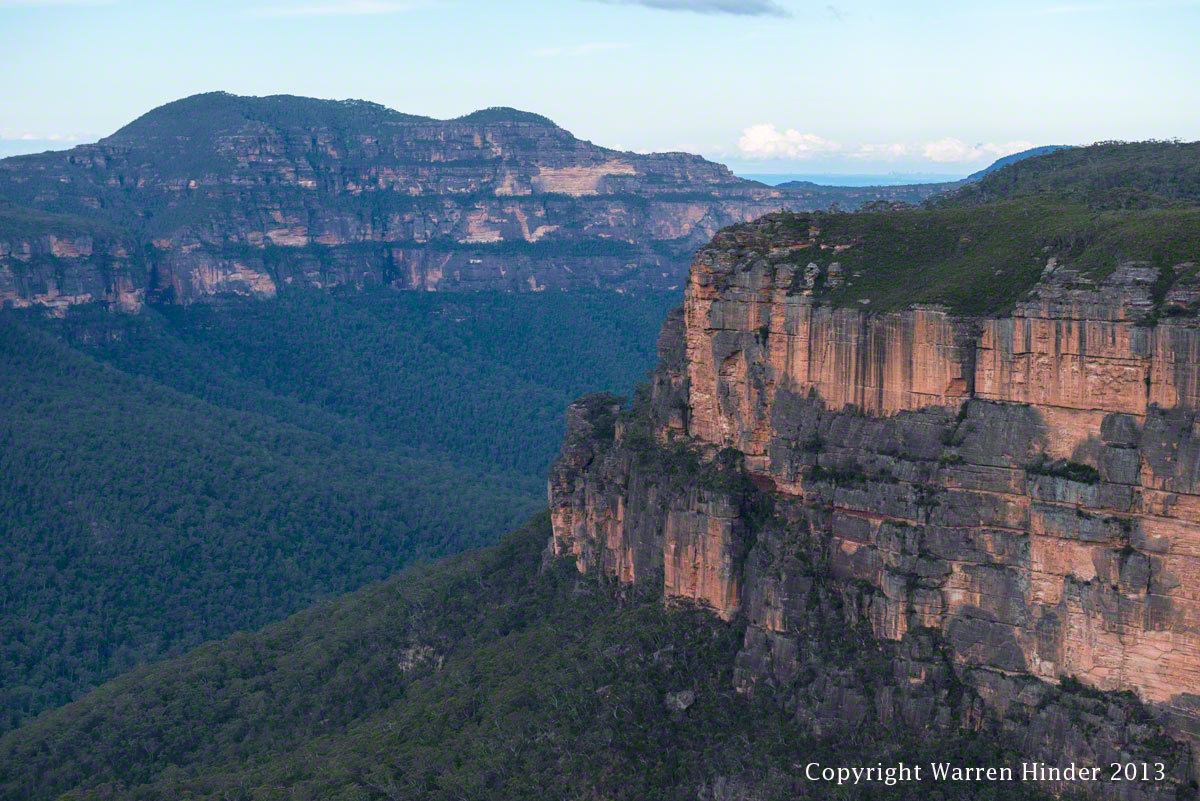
1013	159
917	192
842	180
220	194
851	197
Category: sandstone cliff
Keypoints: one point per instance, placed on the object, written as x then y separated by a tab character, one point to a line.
224	194
1024	488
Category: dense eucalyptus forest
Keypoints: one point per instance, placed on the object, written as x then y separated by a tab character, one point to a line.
485	675
174	476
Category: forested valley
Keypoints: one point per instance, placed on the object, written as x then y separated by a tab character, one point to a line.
171	477
485	675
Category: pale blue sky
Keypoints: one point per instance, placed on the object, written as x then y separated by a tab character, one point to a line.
853	86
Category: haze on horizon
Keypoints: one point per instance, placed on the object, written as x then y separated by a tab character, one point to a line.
931	88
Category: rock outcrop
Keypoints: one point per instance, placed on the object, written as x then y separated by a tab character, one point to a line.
1023	489
219	194
57	270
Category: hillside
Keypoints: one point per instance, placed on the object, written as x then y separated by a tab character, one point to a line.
171	477
480	677
1110	175
218	194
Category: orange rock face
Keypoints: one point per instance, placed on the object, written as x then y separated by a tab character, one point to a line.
698	540
1028	486
58	269
700	554
879	364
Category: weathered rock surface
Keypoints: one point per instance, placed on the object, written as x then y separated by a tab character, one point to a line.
1025	490
221	194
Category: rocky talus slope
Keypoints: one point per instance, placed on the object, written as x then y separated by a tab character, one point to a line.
1010	502
219	194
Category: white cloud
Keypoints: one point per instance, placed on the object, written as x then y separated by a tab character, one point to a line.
712	151
881	152
1006	149
956	150
336	8
579	50
765	141
950	149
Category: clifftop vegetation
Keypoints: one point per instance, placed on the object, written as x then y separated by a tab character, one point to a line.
205	115
497	114
980	249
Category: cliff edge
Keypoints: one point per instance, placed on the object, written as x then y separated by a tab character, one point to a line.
1021	487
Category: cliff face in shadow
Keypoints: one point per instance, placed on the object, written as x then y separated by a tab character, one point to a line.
1023	488
220	194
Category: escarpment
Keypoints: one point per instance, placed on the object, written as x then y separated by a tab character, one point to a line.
218	194
62	265
1023	488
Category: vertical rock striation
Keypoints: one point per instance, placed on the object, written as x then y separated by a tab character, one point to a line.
1026	488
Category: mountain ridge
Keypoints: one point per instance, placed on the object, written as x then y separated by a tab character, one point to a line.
210	111
219	194
1104	175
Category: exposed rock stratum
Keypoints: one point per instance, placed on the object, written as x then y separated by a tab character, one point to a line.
218	194
1013	501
